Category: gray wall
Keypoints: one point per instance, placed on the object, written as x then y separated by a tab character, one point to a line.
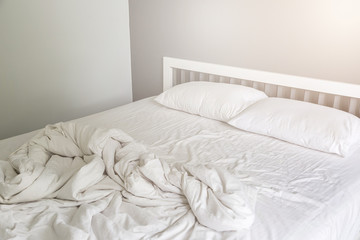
317	39
61	60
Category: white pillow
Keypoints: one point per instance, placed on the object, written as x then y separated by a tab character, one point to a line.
219	101
306	124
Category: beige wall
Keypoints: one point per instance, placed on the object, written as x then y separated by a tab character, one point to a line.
319	39
60	60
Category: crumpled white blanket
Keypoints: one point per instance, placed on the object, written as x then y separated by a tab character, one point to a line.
79	182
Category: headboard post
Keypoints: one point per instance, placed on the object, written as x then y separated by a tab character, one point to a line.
167	74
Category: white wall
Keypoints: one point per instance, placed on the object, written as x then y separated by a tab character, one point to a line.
61	60
313	38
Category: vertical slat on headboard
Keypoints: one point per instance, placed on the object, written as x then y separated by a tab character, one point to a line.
352	106
337	100
280	91
192	76
321	99
307	96
292	93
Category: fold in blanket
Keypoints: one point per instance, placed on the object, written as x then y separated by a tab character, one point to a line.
68	163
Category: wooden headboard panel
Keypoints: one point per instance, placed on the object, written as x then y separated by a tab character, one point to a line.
343	96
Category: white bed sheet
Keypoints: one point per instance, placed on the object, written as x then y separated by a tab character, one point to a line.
303	194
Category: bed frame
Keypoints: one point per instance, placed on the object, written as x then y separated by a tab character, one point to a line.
343	96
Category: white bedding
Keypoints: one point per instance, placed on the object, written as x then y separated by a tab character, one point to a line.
302	193
82	164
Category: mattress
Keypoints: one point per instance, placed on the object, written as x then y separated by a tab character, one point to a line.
302	193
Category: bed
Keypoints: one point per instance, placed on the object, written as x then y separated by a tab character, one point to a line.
269	188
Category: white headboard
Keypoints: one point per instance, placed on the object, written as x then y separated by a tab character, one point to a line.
344	96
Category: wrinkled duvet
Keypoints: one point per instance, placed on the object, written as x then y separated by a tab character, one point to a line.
77	182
